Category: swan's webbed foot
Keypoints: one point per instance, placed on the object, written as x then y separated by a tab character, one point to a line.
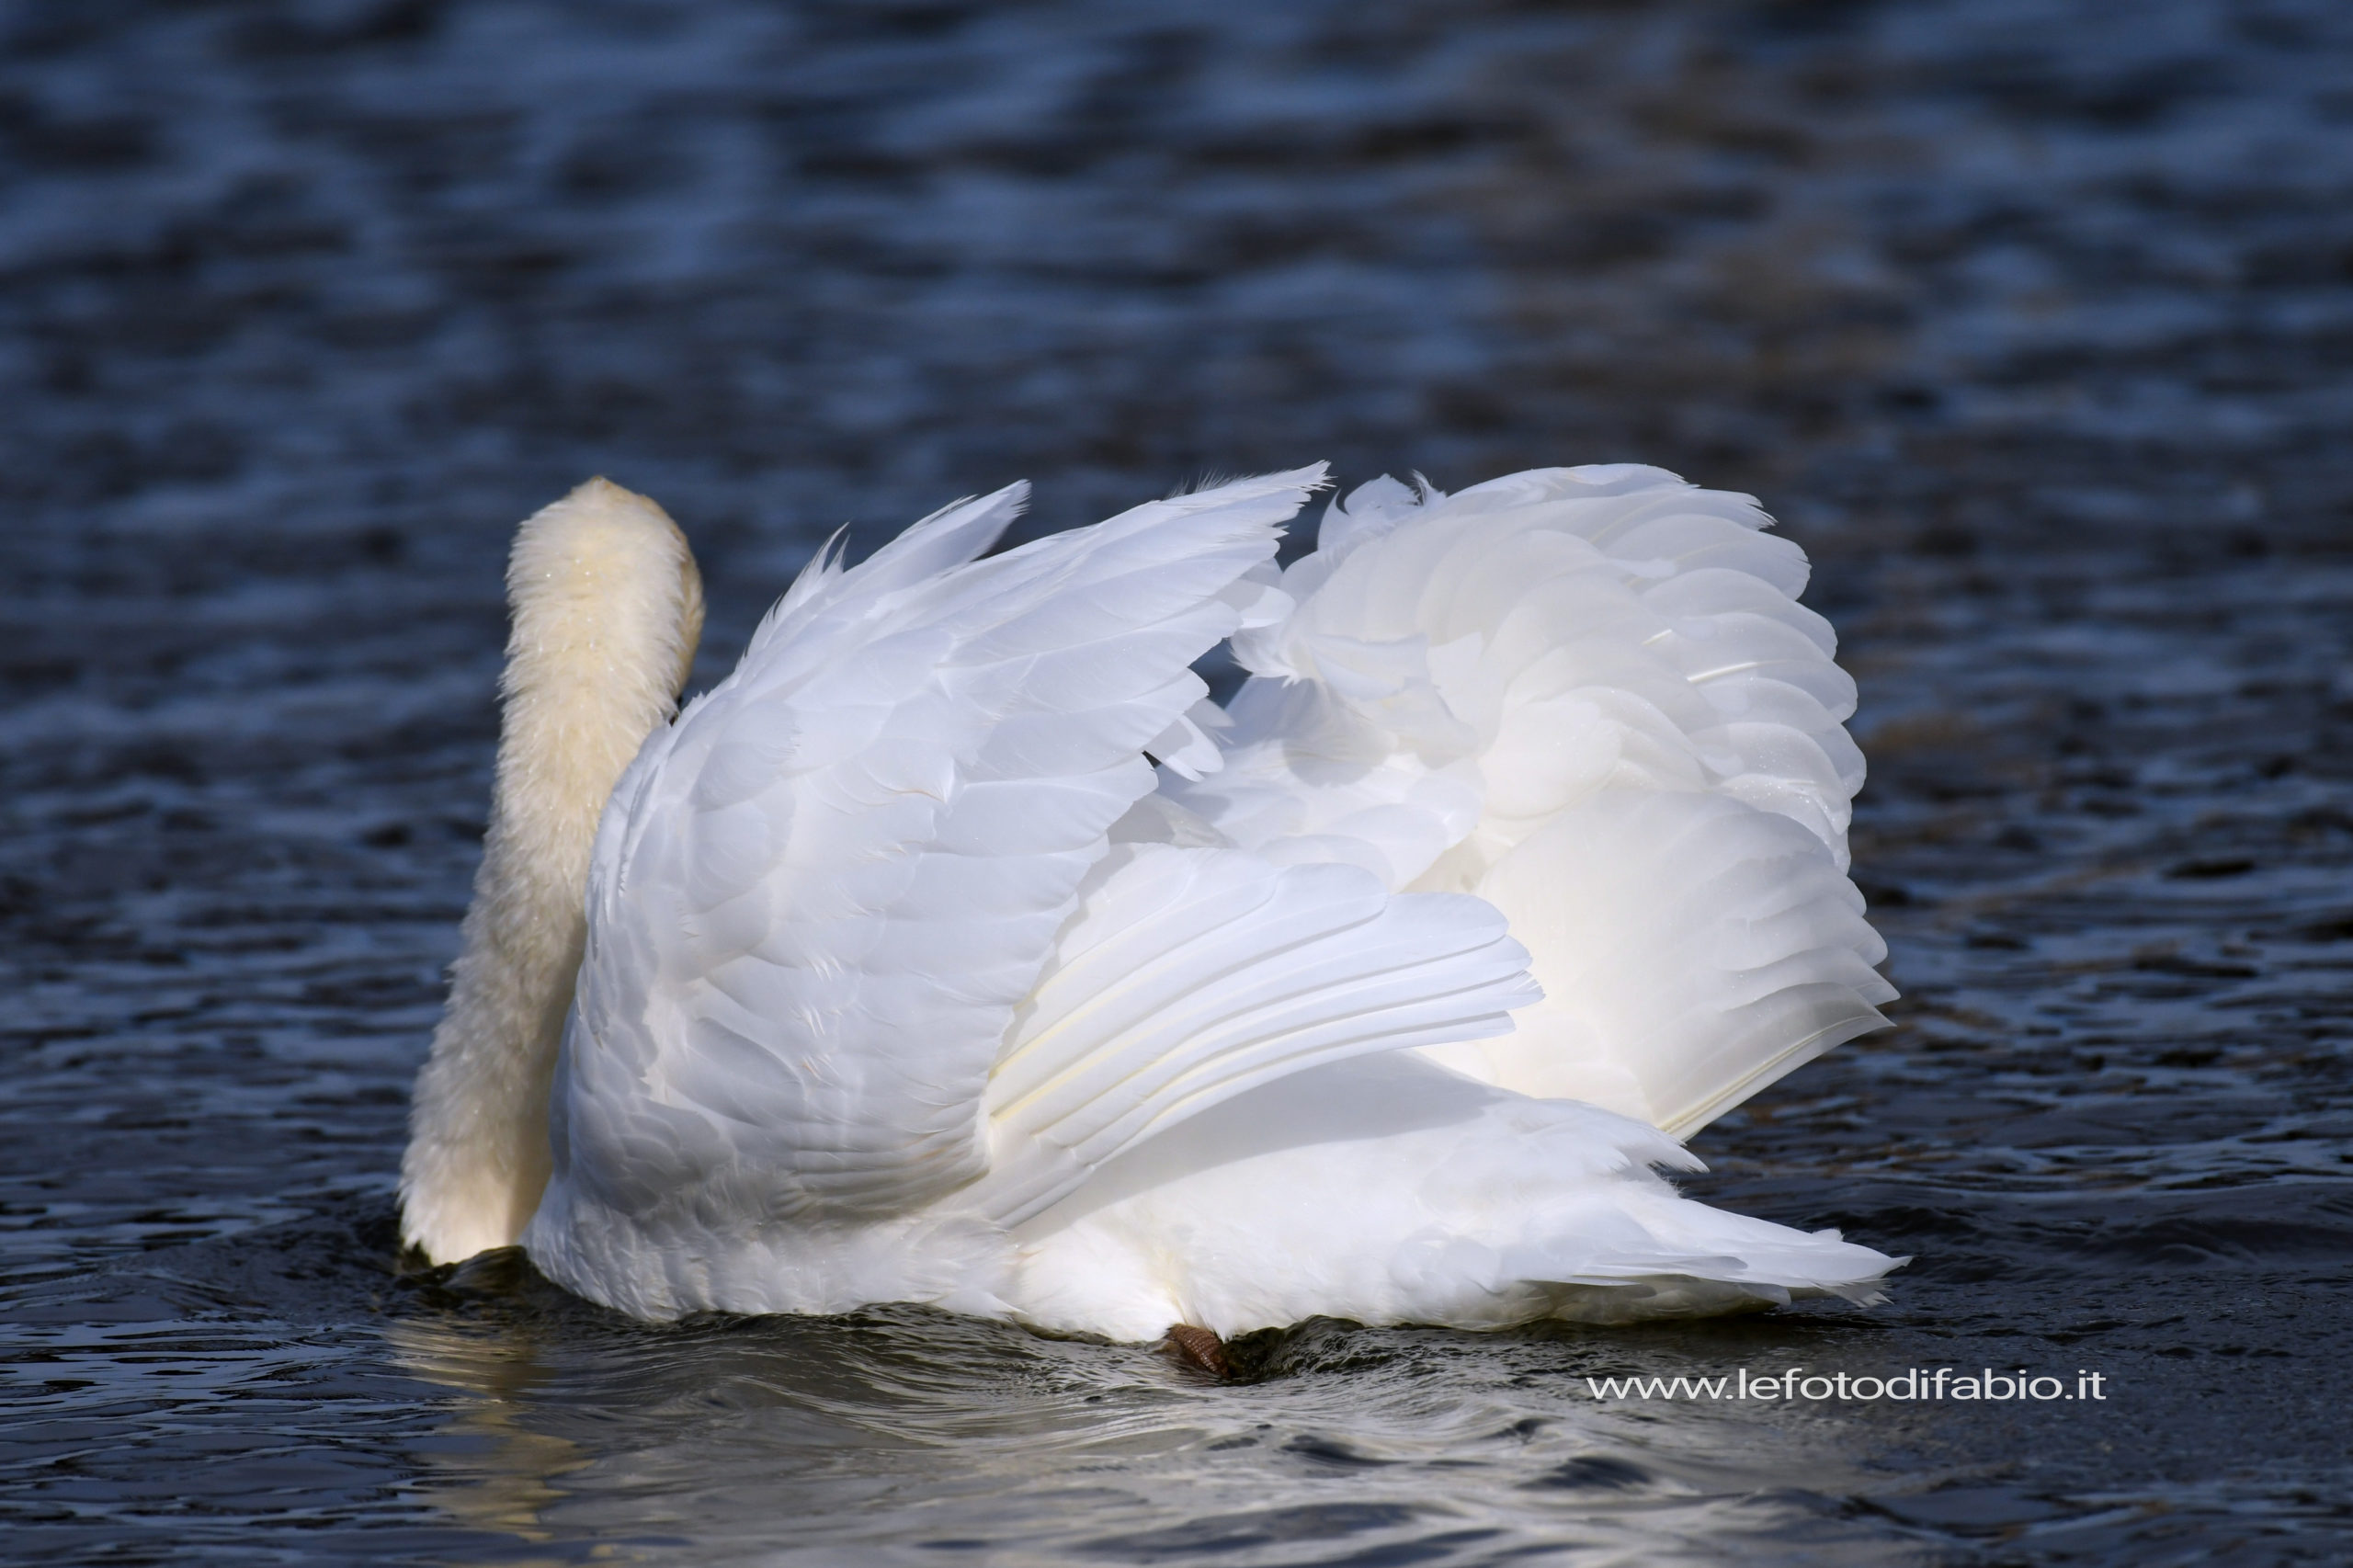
1200	1349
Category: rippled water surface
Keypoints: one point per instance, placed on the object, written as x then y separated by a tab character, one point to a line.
2033	321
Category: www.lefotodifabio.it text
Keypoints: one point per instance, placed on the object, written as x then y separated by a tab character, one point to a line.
1916	1383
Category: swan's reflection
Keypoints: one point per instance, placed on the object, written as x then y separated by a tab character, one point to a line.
820	1441
488	1470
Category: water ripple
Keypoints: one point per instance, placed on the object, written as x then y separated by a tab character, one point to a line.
2035	329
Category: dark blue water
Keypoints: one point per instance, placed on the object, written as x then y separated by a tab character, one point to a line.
2033	321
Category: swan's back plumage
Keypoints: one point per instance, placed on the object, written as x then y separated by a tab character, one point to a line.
907	977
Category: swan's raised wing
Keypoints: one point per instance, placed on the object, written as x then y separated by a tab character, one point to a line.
1590	696
818	897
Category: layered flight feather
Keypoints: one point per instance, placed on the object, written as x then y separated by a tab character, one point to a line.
822	892
1590	696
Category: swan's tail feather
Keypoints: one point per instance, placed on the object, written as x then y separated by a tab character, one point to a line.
1386	1189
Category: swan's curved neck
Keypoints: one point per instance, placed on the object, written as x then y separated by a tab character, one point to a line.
607	610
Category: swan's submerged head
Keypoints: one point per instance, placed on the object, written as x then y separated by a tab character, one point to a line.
607	608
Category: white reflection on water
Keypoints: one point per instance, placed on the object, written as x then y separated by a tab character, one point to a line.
896	1434
486	1469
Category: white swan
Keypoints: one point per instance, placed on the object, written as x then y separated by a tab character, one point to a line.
904	975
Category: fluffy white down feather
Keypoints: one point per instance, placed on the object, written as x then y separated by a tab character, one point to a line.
908	978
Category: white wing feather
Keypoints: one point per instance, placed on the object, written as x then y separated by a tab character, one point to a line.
1531	691
818	897
1191	975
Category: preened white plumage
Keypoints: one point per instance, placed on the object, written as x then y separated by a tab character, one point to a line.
905	975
